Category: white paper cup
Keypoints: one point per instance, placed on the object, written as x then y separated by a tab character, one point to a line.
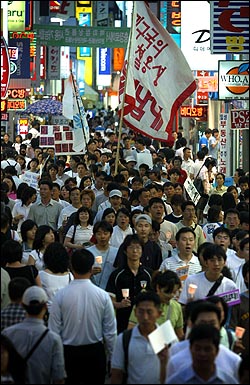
192	288
125	293
239	331
98	259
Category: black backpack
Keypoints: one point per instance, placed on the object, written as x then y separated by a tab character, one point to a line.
126	336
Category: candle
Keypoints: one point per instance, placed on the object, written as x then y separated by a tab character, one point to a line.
239	331
125	293
98	259
192	289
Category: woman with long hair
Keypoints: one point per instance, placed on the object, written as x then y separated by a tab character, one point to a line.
28	232
43	237
21	209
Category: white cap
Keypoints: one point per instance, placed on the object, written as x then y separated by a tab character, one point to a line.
130	159
34	293
143	217
115	193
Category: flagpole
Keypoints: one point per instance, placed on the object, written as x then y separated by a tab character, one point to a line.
75	90
124	94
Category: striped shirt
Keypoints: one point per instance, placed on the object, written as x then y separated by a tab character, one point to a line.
173	262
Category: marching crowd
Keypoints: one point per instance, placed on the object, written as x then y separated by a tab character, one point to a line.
78	230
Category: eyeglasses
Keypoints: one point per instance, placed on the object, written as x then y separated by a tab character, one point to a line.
136	248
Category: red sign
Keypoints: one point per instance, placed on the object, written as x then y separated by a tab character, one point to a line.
240	119
16	104
17	93
5	68
193	112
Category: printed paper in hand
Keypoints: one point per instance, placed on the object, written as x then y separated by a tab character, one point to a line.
162	336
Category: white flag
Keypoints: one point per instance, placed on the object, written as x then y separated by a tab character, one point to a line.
73	109
159	78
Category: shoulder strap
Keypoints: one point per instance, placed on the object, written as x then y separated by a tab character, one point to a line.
199	171
74	233
36	344
125	341
215	286
230	338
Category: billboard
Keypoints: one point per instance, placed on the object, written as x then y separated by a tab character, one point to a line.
233	79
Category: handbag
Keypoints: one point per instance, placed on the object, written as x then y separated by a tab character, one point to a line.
198	183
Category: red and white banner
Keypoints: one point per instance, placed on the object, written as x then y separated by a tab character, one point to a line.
73	109
159	78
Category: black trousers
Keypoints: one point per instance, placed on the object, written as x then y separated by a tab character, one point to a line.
85	364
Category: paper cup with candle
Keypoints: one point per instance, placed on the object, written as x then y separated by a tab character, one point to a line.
125	293
98	260
192	289
239	331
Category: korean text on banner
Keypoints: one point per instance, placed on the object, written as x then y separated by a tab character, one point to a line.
159	78
73	109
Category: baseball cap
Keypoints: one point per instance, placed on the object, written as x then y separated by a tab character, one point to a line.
143	217
36	294
130	159
115	193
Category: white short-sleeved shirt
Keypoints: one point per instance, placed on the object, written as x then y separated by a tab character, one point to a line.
82	234
143	363
38	258
203	287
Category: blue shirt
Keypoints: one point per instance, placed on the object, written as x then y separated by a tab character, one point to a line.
203	142
189	376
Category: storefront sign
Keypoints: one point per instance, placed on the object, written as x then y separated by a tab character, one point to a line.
193	112
5	68
229	27
16	15
14	105
82	37
240	119
17	93
233	79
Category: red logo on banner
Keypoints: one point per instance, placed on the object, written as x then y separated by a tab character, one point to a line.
5	68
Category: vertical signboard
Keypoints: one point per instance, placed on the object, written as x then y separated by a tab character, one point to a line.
84	14
5	68
54	54
195	36
229	27
224	153
103	76
102	13
174	20
22	70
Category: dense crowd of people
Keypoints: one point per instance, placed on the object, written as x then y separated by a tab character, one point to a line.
96	252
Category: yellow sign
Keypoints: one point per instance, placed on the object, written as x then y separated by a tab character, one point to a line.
16	15
84	16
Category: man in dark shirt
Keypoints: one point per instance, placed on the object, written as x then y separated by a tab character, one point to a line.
151	254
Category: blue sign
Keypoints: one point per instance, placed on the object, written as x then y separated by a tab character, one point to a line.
229	27
22	70
104	61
